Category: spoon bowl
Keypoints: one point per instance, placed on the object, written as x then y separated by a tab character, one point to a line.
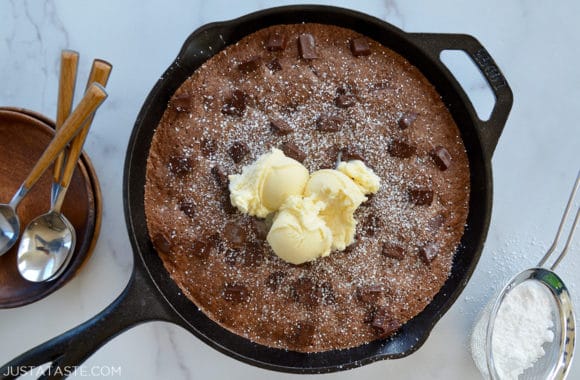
45	247
9	227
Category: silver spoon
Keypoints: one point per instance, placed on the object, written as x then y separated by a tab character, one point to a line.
48	242
66	86
9	222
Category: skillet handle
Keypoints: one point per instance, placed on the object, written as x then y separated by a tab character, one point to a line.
138	303
433	44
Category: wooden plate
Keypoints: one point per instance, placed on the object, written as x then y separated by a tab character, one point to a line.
23	137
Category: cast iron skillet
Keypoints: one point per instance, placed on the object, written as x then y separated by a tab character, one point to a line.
152	295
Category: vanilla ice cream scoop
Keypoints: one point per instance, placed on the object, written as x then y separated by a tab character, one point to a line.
340	197
315	213
298	233
361	174
263	186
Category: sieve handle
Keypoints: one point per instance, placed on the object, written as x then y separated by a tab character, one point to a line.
561	228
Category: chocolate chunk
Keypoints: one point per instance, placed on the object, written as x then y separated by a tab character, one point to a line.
393	250
250	65
235	233
215	239
420	196
436	222
307	46
370	314
369	293
441	157
428	252
253	255
330	158
359	46
407	120
327	293
313	69
345	101
161	243
181	102
220	177
291	150
369	201
180	165
274	65
329	123
280	126
372	224
351	247
188	207
304	291
383	324
235	293
400	149
276	42
275	279
260	228
303	333
229	208
350	153
207	146
238	151
202	248
236	104
344	89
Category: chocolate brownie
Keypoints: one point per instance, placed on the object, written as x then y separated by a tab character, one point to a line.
322	94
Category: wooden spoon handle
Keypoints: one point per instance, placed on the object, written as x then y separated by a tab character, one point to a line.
69	60
93	98
100	72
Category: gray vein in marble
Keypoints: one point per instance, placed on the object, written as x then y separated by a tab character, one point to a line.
34	24
122	259
50	10
392	11
9	39
39	41
106	147
162	332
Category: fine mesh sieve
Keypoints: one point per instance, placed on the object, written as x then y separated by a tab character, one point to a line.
556	361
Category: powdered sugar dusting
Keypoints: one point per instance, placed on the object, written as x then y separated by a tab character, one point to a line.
321	297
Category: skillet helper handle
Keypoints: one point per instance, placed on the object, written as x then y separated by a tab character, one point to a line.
93	98
490	130
139	302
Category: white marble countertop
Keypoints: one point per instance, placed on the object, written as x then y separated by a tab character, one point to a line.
534	43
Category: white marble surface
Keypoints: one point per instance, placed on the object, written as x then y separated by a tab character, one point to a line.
534	43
